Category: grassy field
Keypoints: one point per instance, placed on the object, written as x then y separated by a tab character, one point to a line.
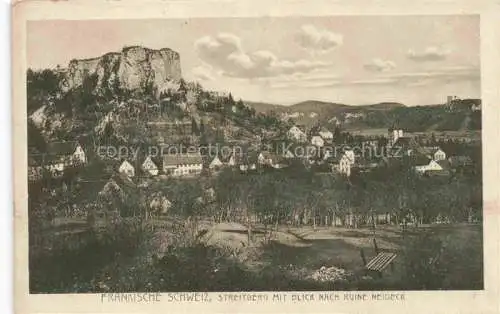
288	259
308	250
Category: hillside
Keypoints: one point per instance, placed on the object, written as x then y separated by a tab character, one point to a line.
110	98
317	106
265	107
107	104
381	115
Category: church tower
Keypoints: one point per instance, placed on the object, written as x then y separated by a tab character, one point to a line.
394	133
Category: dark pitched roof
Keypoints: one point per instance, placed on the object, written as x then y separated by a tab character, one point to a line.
57	151
61	148
421	160
182	159
277	158
445	164
324	129
124	182
157	160
405	141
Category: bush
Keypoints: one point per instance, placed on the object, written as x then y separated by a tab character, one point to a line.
70	263
433	261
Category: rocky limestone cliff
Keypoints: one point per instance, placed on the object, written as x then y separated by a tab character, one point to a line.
134	68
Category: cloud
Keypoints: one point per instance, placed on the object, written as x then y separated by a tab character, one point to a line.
334	83
203	73
440	76
317	75
429	54
225	53
318	40
379	65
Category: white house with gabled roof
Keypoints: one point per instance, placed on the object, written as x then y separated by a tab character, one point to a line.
127	169
216	163
150	166
325	134
317	141
295	133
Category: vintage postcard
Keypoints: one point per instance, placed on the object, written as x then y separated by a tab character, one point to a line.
299	157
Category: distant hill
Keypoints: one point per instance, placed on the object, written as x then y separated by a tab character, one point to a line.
381	115
317	106
384	106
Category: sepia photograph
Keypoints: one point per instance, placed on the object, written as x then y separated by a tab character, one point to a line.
252	154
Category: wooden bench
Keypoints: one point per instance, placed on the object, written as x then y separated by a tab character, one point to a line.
380	262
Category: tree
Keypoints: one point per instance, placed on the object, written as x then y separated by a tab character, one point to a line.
35	137
182	91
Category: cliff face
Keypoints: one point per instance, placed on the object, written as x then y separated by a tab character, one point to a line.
132	69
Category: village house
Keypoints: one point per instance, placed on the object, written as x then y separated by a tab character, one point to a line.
271	160
426	165
229	159
278	162
434	153
288	154
159	204
127	169
35	171
118	187
118	182
317	141
63	154
207	196
59	156
346	163
404	146
150	167
326	134
232	160
397	137
327	153
216	163
423	163
264	158
248	162
179	165
296	134
334	120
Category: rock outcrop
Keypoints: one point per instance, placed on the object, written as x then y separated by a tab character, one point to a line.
134	68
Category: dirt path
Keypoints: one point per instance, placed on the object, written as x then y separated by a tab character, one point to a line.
305	247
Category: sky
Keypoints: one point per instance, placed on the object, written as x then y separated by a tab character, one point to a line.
356	60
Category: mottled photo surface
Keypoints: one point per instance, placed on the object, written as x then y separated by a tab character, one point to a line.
329	153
